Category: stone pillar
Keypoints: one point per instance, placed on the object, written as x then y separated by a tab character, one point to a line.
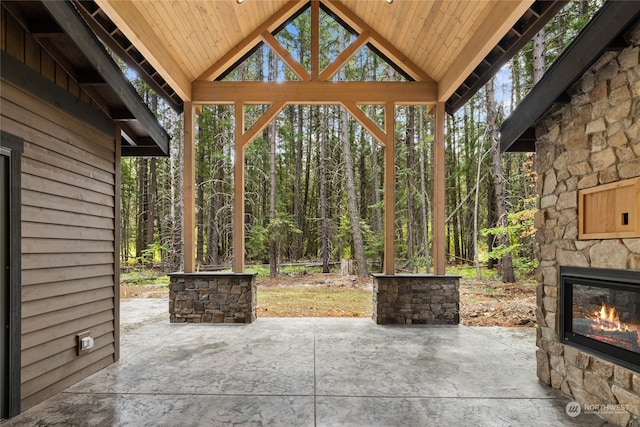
416	299
212	297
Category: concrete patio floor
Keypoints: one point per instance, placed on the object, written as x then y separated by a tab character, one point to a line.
306	372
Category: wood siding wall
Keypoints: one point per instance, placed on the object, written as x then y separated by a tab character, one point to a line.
69	229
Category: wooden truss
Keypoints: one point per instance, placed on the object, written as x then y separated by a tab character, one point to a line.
314	87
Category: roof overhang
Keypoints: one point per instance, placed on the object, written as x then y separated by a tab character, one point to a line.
603	33
59	29
472	41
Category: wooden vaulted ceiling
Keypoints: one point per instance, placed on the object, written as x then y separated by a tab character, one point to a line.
457	43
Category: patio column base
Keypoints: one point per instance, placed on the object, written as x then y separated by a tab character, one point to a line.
407	299
212	297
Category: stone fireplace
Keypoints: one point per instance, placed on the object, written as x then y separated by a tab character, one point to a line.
590	141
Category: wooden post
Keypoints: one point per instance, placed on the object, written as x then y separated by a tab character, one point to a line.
188	189
389	190
238	191
438	226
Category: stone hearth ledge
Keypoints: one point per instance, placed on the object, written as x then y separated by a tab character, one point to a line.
212	297
406	299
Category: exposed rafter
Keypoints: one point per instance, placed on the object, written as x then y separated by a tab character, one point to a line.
522	31
73	25
148	45
111	35
474	52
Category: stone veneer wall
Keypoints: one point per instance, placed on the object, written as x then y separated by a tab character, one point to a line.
591	141
212	298
407	299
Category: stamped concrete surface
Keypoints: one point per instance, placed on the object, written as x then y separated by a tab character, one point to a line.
306	372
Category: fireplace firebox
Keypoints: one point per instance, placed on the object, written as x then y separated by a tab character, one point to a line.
600	313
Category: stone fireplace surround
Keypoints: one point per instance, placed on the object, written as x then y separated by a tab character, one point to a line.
593	140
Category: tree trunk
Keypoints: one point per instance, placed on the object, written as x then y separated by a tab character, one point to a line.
539	56
410	136
352	201
508	275
142	208
375	182
273	248
200	191
322	197
426	203
297	200
151	211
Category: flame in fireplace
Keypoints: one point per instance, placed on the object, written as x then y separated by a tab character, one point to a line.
607	320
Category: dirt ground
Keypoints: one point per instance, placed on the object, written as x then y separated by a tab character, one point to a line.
482	303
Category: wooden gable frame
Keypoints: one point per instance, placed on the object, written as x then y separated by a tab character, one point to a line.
314	88
447	51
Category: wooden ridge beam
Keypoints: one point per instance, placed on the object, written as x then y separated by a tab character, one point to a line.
249	42
383	45
312	92
284	54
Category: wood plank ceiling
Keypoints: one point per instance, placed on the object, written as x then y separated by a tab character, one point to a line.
446	39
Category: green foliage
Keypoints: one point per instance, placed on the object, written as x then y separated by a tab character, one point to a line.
151	254
257	244
520	231
144	277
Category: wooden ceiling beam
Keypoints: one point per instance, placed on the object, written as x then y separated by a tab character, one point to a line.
148	44
499	18
384	46
405	93
249	42
286	57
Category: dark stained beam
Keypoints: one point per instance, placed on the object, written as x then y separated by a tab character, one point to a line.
107	31
34	83
68	18
608	25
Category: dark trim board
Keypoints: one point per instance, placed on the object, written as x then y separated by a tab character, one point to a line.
72	23
602	33
14	146
27	79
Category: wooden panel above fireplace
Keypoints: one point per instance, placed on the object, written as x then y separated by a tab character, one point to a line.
610	211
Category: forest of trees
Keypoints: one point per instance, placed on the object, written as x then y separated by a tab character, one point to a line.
314	176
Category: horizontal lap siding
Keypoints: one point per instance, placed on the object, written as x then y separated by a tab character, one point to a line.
68	244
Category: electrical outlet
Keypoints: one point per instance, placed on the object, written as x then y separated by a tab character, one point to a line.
84	342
